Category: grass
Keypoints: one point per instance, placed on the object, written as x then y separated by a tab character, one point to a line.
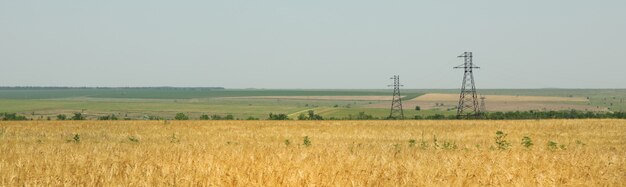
325	153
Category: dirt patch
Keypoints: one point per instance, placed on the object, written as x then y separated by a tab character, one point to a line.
501	98
500	103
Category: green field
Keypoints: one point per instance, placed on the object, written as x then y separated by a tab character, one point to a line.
139	103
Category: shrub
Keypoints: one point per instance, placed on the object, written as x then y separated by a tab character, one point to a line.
313	116
229	117
301	116
418	108
111	117
204	117
12	117
216	117
78	116
61	117
181	116
252	118
278	117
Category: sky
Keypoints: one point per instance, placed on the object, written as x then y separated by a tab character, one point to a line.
351	44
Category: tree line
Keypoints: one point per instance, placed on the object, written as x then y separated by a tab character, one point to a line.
311	115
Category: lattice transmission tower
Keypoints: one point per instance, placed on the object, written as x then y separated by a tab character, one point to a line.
396	102
483	108
468	100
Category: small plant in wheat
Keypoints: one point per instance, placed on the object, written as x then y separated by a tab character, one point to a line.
287	142
527	142
412	143
397	148
449	145
552	145
423	143
133	139
174	139
306	142
2	131
75	139
578	142
501	142
435	144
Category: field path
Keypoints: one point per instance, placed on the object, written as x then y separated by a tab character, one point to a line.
318	110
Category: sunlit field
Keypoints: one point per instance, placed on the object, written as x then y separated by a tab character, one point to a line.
313	153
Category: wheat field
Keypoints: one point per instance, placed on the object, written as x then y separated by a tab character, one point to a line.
313	153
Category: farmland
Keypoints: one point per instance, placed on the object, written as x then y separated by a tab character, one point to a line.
324	153
139	103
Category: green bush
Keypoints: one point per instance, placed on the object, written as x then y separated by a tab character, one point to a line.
61	117
216	117
278	117
78	116
111	117
12	117
204	117
501	142
229	117
181	116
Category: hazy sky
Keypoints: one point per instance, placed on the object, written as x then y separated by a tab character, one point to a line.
312	44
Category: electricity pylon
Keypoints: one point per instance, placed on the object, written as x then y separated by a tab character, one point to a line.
468	100
483	108
396	102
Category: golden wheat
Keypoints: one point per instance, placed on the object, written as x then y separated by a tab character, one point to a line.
341	153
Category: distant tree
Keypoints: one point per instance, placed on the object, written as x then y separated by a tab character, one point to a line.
204	117
252	118
111	117
418	108
181	116
229	117
363	116
61	117
78	116
302	117
216	117
313	116
278	117
12	117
